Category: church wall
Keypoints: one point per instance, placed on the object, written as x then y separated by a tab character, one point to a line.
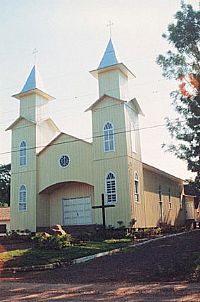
43	210
171	216
23	175
79	169
27	107
68	190
121	211
113	161
109	83
45	133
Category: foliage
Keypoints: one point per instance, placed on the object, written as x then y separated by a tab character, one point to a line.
54	242
16	236
183	62
37	256
5	175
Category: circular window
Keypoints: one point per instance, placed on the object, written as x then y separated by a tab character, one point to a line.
64	161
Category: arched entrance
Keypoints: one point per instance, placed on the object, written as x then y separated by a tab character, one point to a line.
70	203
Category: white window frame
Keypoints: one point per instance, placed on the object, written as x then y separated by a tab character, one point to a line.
136	187
23	153
111	188
22	198
170	199
108	137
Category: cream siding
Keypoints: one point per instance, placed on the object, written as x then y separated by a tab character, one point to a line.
23	175
80	168
171	216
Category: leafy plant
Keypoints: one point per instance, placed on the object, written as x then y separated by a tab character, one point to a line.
55	242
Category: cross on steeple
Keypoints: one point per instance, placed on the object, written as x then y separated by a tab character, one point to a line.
35	51
110	24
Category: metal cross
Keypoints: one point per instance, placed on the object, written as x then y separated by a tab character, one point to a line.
110	24
35	51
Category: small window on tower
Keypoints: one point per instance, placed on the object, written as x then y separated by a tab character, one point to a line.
23	154
108	137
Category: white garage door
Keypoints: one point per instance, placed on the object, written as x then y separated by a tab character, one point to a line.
77	211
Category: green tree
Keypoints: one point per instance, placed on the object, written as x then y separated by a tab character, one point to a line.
182	62
5	175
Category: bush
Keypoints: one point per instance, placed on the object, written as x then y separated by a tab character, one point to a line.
52	242
17	236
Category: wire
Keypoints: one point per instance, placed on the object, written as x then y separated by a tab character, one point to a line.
85	139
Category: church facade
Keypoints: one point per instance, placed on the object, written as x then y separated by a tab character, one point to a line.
58	179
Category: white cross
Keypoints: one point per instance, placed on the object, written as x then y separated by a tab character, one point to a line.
110	24
35	51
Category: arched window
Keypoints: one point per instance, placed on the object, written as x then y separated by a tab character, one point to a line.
108	137
23	153
111	193
22	198
136	187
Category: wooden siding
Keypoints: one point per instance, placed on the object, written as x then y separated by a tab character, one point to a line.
23	175
80	168
172	216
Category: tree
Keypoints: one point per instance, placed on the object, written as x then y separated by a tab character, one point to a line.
5	175
182	63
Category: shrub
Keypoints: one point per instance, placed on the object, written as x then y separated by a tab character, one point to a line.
54	242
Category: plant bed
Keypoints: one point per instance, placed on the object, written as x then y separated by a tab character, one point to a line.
35	256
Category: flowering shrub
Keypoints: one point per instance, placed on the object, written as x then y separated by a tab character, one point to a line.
54	242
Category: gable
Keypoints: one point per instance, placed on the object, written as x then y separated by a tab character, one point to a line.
20	121
104	101
63	139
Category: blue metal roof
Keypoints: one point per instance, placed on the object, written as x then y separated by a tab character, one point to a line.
33	82
109	57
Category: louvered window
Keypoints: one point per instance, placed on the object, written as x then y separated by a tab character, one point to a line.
23	154
22	198
111	188
108	137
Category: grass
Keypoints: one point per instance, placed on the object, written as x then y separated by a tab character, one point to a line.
32	256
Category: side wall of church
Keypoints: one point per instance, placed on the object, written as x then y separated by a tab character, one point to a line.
172	214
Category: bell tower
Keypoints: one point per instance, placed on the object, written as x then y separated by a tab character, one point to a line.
112	76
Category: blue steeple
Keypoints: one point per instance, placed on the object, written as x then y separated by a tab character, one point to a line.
33	84
34	81
109	57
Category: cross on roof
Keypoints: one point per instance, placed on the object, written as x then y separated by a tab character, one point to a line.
35	51
110	24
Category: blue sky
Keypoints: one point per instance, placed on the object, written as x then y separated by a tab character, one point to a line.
71	36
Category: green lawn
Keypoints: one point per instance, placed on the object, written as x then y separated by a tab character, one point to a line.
32	256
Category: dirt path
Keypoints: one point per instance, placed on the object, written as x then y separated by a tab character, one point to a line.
157	271
104	292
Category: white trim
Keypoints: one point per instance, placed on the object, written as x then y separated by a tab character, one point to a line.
136	179
106	199
25	156
23	202
113	140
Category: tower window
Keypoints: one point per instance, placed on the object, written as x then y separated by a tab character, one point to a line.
22	198
111	193
108	137
23	153
136	187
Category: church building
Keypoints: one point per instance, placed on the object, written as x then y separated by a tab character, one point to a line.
57	178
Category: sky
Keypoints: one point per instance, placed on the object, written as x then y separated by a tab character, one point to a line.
70	37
